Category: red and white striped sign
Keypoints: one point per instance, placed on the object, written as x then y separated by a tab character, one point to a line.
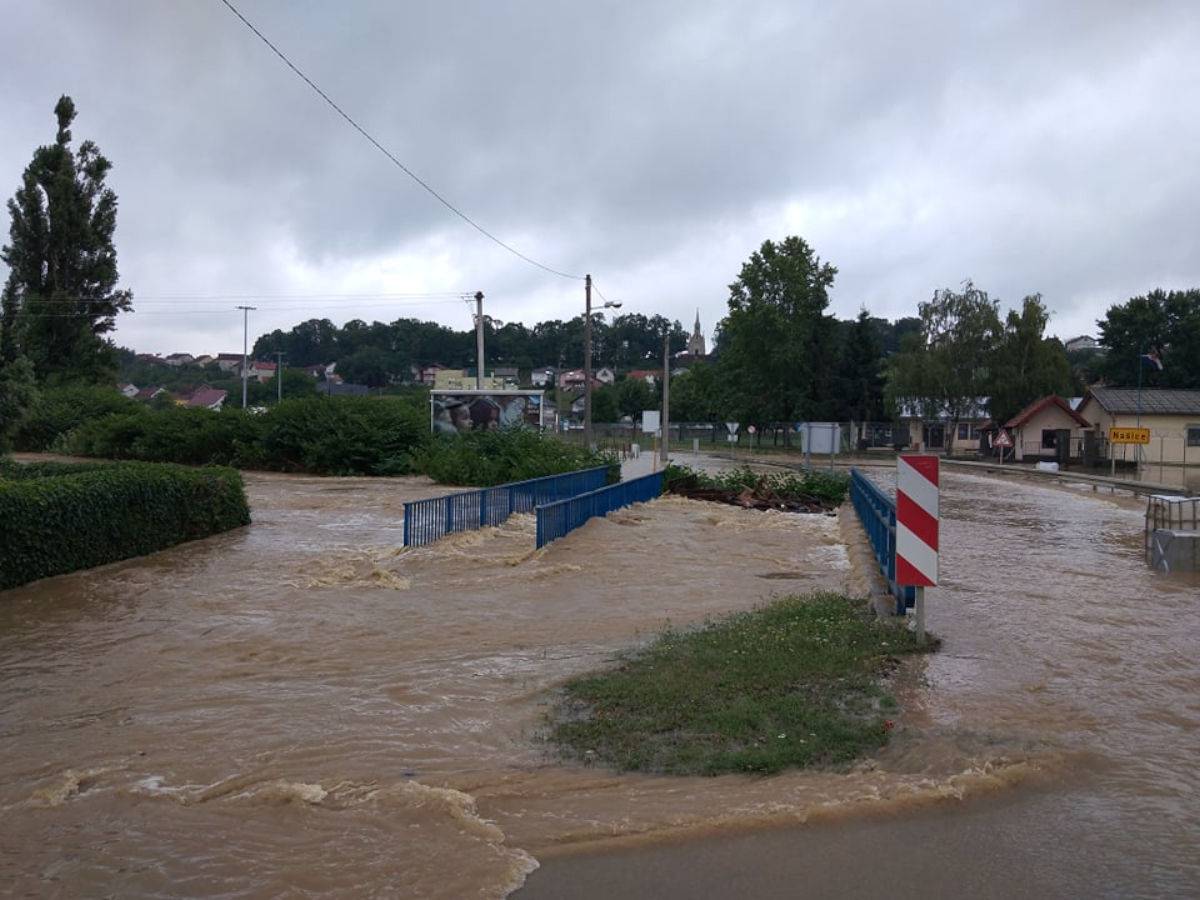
917	520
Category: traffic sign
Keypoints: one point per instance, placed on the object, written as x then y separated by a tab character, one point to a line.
917	514
732	427
1129	435
1002	439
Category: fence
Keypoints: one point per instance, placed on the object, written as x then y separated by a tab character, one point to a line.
556	520
877	512
427	520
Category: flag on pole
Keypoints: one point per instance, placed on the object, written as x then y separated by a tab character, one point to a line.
1154	359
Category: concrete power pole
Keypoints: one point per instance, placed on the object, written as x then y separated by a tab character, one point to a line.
587	362
666	399
279	374
245	349
479	340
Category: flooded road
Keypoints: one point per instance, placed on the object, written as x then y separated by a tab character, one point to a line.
300	707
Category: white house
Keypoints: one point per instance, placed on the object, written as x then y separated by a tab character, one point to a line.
128	390
605	375
543	375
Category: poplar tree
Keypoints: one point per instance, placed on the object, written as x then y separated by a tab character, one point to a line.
61	297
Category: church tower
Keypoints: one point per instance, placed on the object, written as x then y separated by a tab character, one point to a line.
695	345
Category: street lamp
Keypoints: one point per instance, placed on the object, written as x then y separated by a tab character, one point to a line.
587	359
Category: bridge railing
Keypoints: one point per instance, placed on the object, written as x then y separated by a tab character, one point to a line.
877	512
555	520
427	520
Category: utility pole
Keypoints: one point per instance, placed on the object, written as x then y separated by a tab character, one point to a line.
587	358
245	348
587	362
279	374
666	400
479	340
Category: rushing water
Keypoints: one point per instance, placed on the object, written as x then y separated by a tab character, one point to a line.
300	707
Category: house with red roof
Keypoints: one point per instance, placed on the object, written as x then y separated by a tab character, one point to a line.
205	397
1047	427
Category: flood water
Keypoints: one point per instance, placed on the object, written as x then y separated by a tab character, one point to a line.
302	707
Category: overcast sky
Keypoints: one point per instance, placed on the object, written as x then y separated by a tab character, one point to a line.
1033	147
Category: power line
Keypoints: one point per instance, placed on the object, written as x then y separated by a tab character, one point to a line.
378	146
222	299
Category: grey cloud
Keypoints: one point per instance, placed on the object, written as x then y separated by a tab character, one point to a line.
1033	147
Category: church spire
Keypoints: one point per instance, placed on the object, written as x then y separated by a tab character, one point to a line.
695	345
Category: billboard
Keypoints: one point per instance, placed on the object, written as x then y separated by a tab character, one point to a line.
458	411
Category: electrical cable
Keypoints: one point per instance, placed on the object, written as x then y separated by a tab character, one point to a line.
405	169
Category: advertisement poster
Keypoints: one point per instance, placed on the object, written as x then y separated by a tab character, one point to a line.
455	412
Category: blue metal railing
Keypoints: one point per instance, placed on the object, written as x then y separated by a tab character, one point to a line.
555	520
427	520
877	512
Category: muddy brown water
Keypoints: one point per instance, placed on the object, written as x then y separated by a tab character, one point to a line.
300	708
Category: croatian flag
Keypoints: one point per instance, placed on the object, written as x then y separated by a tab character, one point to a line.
1153	359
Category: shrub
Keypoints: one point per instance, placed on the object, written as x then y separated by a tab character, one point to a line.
343	436
825	487
495	457
59	521
58	411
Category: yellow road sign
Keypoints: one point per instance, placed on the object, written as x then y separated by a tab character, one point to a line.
1129	435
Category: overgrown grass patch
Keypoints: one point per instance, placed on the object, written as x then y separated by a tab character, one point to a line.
794	683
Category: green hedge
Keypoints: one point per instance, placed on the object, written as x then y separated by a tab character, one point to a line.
58	411
58	521
484	458
321	435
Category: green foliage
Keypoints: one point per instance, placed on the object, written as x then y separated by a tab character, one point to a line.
59	410
1164	321
17	394
62	296
604	404
343	436
860	370
795	683
1026	365
58	520
775	343
171	434
828	487
496	457
945	369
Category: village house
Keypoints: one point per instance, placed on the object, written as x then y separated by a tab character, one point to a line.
147	394
1047	428
204	360
205	397
1083	342
650	376
510	376
543	375
605	375
179	359
128	390
573	380
920	431
263	371
429	374
229	362
1173	417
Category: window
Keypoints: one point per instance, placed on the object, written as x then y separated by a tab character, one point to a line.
964	431
1193	435
1049	439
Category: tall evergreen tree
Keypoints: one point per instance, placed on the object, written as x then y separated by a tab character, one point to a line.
62	294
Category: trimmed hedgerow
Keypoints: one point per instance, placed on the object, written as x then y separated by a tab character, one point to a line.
59	522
